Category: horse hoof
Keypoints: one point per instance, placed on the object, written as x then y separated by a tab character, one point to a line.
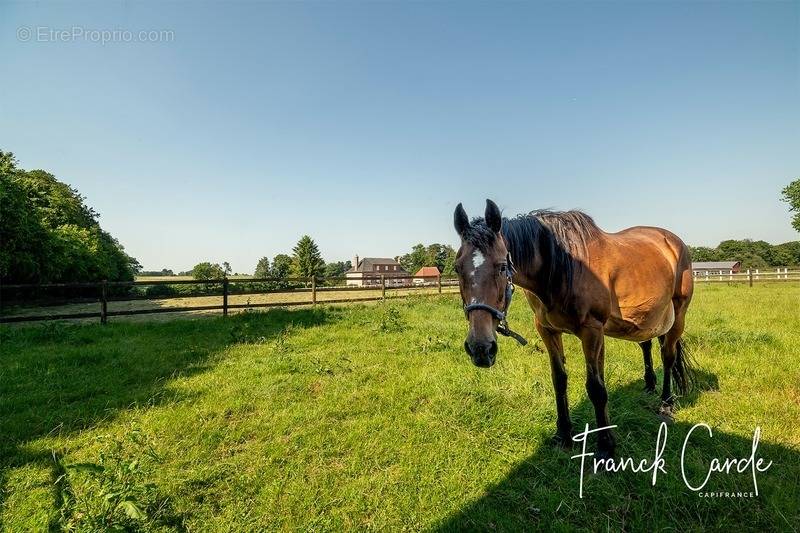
604	453
666	413
561	441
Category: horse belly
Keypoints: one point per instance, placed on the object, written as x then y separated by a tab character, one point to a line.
634	326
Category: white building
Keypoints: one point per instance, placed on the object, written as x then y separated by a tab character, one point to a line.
368	272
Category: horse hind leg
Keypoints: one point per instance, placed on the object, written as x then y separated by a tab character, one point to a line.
649	375
675	359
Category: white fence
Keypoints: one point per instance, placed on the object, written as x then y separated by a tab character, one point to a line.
749	276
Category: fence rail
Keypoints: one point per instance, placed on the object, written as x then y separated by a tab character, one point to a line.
749	276
312	288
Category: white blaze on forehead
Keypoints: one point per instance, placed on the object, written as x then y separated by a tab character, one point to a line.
477	261
477	258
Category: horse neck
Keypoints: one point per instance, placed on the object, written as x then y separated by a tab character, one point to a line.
541	276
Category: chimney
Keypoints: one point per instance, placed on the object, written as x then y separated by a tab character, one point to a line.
355	263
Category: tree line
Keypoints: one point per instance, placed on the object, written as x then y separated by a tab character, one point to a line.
305	262
752	254
49	235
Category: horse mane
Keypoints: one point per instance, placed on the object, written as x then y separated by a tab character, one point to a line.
564	231
560	237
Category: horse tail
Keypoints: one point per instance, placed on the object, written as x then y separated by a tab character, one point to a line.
683	370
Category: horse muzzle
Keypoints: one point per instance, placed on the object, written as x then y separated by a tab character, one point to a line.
482	353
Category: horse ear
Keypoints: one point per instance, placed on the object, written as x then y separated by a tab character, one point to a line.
460	220
492	216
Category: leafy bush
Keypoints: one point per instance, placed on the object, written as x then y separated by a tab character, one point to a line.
390	320
113	494
159	291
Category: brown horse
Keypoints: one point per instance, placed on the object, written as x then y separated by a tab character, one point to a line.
635	285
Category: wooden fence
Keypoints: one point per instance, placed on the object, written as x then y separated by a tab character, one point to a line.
312	286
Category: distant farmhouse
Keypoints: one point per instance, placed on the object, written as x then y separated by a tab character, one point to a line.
708	268
368	271
426	275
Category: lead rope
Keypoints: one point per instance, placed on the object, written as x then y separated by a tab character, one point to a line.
503	328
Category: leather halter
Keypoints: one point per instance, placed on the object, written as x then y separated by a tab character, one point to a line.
502	316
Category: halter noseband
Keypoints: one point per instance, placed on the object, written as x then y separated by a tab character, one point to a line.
502	328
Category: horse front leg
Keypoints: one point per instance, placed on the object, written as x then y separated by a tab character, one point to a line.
594	352
558	371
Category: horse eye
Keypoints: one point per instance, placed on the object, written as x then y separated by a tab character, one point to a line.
503	267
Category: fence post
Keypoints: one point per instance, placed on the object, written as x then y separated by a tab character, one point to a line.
383	286
313	290
439	283
225	297
104	302
750	276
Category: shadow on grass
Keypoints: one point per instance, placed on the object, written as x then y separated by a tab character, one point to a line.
541	493
57	379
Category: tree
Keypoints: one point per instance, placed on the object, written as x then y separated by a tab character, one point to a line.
450	263
441	256
207	270
791	195
24	240
281	266
226	269
262	268
703	253
49	234
307	261
788	253
415	260
8	162
337	269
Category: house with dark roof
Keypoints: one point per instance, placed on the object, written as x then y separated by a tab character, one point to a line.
369	271
707	268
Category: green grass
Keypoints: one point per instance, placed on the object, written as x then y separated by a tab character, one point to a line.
372	417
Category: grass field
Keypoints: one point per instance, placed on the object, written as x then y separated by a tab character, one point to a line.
371	417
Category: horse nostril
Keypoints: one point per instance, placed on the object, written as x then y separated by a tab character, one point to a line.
493	349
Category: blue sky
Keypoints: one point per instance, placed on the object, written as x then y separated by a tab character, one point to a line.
364	124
